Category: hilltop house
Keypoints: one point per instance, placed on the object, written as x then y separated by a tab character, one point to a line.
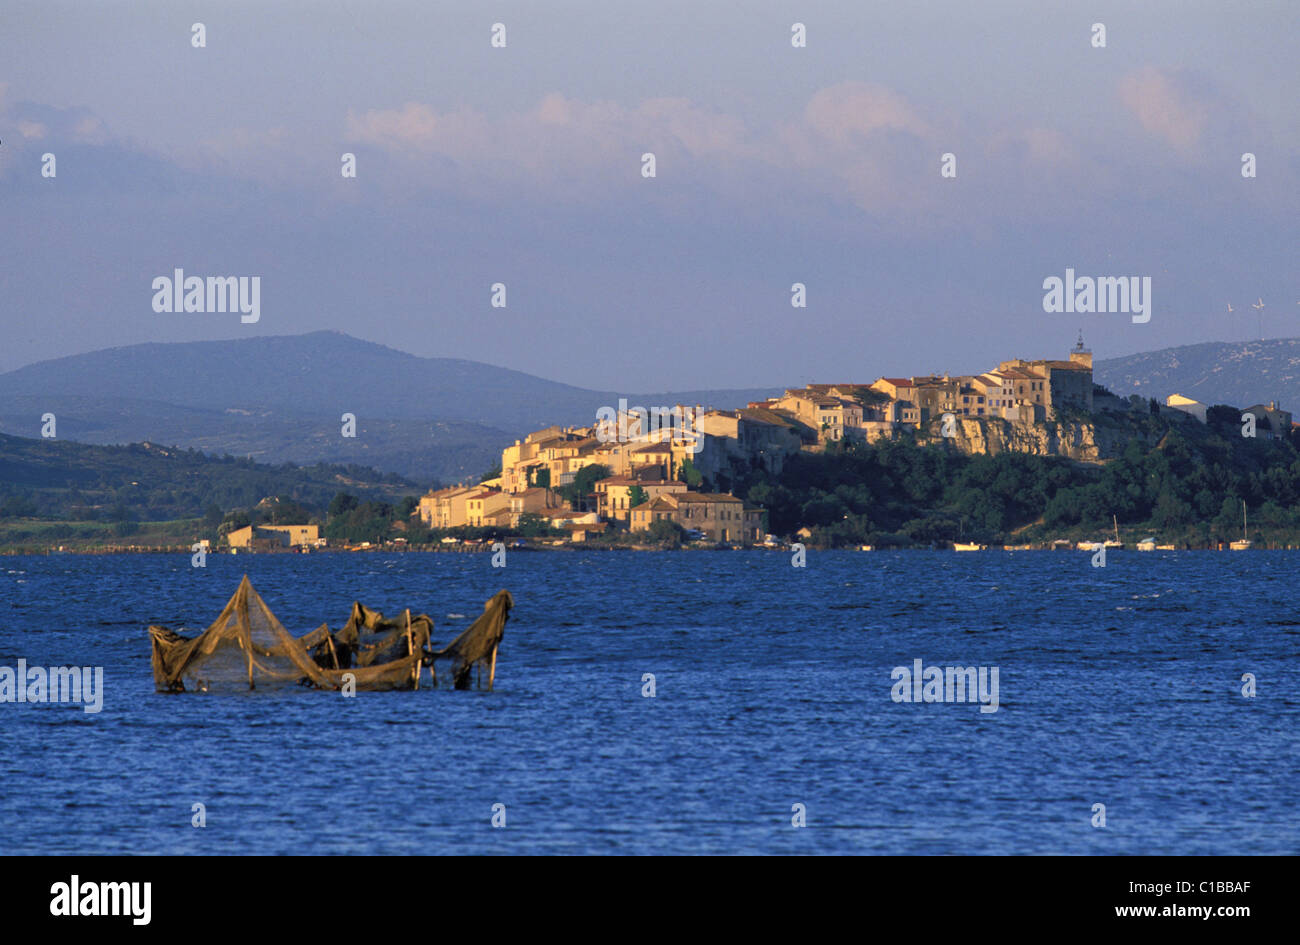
1270	421
1187	405
614	493
718	516
446	508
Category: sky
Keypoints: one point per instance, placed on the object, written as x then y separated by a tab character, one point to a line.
775	164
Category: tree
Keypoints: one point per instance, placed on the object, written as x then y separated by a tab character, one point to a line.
532	525
868	397
635	496
341	504
584	482
234	521
1171	511
666	532
288	512
689	474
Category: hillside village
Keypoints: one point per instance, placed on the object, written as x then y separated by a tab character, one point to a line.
783	468
676	464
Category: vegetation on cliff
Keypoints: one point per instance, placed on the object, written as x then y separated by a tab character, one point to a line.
1181	481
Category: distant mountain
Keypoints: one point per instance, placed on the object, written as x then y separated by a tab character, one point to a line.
1240	373
280	399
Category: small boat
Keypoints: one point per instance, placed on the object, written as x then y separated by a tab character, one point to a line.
1166	547
1114	542
1244	543
1088	545
960	545
1146	544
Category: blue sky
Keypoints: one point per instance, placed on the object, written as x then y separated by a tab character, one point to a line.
776	165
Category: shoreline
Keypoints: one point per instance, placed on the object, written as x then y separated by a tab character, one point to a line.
578	546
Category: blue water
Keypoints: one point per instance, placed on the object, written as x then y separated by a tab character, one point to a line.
1118	686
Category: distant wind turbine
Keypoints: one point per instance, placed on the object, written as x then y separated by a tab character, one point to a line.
1259	308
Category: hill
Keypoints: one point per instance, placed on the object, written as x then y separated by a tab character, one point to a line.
280	399
144	482
1240	373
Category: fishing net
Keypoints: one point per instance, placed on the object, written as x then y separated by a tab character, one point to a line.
369	638
247	647
478	644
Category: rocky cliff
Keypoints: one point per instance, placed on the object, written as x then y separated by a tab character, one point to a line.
1078	440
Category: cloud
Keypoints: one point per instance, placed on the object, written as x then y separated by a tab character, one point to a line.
563	149
853	111
39	128
37	122
560	127
418	127
857	140
88	129
863	143
1165	106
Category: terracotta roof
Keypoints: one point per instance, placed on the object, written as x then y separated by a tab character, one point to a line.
615	481
763	415
659	503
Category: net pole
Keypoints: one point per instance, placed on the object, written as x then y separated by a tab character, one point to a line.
410	648
245	627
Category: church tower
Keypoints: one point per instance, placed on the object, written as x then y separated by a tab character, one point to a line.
1081	355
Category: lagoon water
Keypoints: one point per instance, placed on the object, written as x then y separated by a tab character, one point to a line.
1118	686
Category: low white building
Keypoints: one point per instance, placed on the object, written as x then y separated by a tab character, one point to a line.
1186	405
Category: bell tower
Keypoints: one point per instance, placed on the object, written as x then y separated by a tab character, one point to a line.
1081	355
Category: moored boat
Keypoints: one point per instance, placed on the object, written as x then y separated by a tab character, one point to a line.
1243	543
